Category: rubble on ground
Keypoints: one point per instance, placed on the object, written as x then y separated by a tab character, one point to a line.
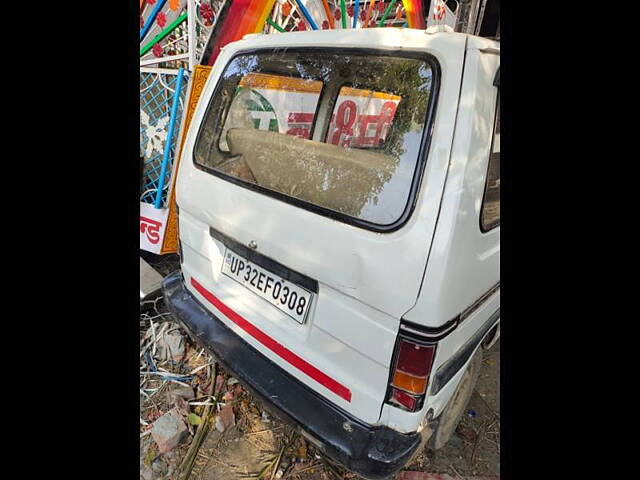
226	419
169	430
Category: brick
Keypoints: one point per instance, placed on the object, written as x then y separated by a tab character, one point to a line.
168	431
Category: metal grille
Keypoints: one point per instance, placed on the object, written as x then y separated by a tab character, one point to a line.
175	44
202	27
156	99
290	19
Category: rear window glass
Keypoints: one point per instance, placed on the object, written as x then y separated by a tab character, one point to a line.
362	118
490	215
341	132
274	103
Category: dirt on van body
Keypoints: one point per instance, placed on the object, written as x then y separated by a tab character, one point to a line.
263	447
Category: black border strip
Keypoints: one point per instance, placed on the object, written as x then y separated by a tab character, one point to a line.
421	333
422	153
478	303
447	370
298	278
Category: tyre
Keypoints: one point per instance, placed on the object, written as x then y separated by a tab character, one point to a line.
452	413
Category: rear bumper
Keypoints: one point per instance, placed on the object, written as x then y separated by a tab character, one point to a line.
370	451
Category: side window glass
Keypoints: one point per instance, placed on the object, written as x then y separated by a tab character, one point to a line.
490	215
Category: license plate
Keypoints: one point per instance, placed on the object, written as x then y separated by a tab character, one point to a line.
288	297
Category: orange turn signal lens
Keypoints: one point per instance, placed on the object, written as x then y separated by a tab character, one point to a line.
409	382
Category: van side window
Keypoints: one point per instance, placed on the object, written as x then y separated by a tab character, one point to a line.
490	215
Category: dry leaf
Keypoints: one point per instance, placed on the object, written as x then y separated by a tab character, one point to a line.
302	452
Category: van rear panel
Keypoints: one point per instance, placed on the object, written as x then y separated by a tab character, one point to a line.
339	333
366	279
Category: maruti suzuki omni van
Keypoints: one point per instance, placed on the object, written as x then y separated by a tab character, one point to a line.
339	226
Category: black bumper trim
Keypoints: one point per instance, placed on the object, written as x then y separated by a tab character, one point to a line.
370	451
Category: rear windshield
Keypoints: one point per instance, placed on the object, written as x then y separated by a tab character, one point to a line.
337	131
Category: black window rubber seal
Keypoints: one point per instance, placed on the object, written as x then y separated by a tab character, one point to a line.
423	151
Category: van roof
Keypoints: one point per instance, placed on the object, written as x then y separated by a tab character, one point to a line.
473	41
481	43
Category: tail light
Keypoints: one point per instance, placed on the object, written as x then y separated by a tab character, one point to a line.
410	375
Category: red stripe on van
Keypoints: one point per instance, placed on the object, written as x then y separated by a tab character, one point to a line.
276	347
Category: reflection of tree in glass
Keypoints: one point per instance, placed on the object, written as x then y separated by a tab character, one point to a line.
408	78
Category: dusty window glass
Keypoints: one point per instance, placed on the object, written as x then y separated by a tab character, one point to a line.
273	103
490	217
362	118
339	131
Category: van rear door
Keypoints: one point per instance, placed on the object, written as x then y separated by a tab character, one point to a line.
308	190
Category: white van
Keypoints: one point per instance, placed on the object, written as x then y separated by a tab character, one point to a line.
339	219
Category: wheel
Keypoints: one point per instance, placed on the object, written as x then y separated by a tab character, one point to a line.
450	416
